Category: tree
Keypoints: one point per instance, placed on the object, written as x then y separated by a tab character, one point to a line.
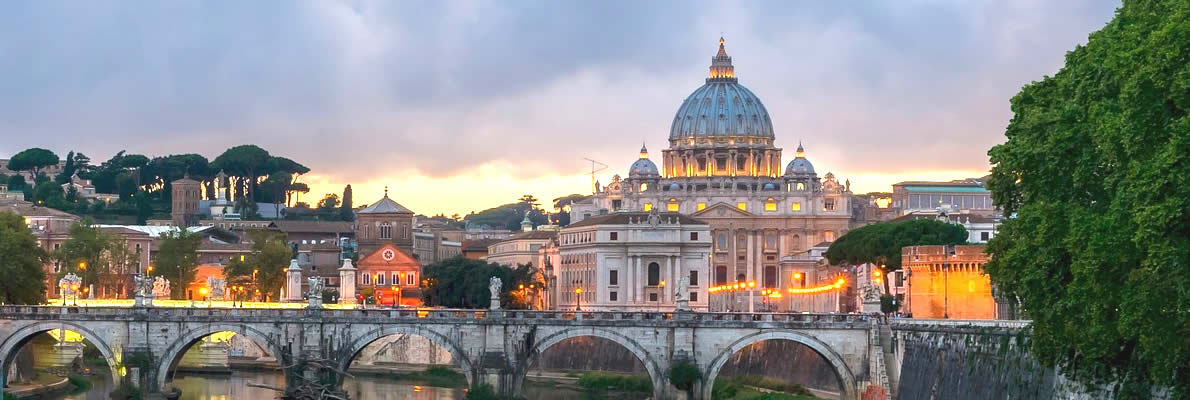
24	278
684	375
83	254
177	259
1094	175
463	283
881	243
33	159
346	212
67	170
247	162
263	269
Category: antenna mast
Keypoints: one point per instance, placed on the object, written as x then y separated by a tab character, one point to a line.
602	167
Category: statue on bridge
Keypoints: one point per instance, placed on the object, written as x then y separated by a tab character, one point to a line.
680	290
494	286
161	287
217	287
143	291
314	292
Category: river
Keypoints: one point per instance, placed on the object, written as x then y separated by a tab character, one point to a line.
235	386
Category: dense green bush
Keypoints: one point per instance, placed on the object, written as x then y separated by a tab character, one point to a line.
78	383
683	375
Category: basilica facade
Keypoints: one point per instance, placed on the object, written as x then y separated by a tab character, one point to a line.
722	168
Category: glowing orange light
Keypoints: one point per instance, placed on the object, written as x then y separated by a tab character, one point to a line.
751	284
578	290
82	265
797	275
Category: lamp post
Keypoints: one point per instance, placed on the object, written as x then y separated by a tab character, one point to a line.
203	292
946	280
662	297
578	294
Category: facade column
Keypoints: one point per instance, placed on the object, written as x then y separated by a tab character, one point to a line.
667	275
638	285
731	163
751	258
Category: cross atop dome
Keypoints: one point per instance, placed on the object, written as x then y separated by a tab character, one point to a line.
721	68
644	153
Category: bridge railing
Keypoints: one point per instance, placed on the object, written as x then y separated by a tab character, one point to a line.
429	313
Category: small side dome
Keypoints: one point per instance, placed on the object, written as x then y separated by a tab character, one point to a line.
643	167
799	165
675	186
769	186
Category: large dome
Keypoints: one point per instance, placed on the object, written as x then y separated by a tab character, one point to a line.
721	107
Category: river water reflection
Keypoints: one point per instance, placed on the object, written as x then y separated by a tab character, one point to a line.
235	386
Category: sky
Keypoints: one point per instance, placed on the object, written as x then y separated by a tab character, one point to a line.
458	106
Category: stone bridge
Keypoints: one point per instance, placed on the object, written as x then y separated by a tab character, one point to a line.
491	347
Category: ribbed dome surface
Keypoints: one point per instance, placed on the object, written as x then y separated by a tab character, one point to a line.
643	167
721	108
799	166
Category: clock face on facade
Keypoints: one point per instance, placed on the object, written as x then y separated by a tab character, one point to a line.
388	255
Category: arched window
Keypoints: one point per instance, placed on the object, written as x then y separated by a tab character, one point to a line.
386	230
801	186
654	274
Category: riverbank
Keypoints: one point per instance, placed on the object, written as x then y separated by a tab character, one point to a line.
39	387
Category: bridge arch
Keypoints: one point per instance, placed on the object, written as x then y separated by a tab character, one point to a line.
173	354
357	344
842	371
20	337
656	372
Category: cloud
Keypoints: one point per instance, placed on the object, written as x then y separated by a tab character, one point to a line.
366	91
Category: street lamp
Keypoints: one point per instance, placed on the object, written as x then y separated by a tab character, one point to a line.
578	291
946	280
203	292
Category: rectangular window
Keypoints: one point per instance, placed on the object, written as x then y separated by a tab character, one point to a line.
742	206
770	206
613	277
653	297
614	236
648	207
828	205
380	279
721	242
984	236
411	279
366	278
611	296
693	296
671	207
693	278
693	235
702	206
720	274
797	206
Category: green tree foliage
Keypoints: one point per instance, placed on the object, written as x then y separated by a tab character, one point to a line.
345	210
16	182
264	268
881	243
684	375
84	254
158	175
24	278
177	260
463	283
33	159
247	162
68	170
1096	177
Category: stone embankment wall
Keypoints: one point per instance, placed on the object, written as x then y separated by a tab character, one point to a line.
968	362
949	359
